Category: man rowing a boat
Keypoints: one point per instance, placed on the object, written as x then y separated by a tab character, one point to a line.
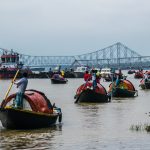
21	85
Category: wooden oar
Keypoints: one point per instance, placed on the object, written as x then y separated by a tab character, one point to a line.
112	88
13	80
77	98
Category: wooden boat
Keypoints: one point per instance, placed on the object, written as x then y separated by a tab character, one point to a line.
105	72
131	71
144	85
124	89
36	113
79	72
58	79
85	94
138	75
10	62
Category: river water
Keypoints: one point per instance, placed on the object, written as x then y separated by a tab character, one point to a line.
84	126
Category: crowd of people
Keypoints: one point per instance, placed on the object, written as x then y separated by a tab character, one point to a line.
93	76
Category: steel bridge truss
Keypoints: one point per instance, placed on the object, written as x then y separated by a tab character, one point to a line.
117	55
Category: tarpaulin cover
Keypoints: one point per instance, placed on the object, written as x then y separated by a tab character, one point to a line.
37	100
99	89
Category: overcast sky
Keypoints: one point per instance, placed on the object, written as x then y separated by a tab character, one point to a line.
72	27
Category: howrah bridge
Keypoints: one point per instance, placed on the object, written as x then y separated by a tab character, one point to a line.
117	55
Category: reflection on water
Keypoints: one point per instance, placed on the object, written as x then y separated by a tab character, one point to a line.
23	139
85	126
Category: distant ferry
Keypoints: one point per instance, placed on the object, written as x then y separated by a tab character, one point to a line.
79	72
105	72
9	64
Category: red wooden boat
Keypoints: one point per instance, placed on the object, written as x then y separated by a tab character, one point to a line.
36	113
131	71
85	93
10	63
138	74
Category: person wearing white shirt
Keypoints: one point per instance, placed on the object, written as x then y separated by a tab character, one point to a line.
21	85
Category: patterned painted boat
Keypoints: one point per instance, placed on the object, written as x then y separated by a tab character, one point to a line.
124	89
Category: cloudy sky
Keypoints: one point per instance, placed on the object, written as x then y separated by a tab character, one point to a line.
72	27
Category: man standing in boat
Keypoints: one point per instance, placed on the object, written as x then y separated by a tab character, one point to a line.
87	76
98	77
21	85
146	77
94	79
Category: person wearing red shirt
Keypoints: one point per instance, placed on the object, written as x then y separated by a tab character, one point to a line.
87	76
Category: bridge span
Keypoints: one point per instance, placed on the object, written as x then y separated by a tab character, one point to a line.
116	55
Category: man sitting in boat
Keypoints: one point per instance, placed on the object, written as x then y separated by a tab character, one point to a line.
21	85
119	80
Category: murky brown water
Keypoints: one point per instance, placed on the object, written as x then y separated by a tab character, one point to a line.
84	126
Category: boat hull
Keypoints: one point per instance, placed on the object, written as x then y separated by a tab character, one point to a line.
7	74
131	71
92	97
118	92
55	81
138	75
12	118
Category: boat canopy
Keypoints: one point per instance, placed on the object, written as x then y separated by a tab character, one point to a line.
99	89
36	99
124	84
